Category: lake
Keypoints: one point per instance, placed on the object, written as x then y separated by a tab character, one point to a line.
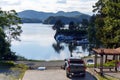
37	43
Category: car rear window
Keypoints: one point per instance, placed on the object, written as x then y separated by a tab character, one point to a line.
77	62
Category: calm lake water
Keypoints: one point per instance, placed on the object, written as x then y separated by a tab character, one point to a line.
36	43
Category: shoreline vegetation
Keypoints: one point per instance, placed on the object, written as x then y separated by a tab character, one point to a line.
11	71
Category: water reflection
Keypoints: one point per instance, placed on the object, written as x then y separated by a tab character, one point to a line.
71	48
38	42
71	44
58	47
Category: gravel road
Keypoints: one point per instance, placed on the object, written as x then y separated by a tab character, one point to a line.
56	74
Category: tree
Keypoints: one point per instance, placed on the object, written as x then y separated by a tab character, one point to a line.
4	46
85	23
9	30
58	25
108	22
72	26
9	21
91	31
111	28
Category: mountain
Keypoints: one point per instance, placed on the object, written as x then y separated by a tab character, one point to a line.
30	20
34	14
31	14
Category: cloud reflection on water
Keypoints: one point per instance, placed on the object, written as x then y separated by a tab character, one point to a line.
36	43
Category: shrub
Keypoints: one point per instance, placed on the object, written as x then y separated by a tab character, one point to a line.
110	64
7	63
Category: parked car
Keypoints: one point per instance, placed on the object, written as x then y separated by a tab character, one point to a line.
41	68
90	61
75	67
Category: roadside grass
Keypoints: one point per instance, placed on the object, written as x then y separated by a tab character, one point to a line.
105	77
20	68
13	71
35	60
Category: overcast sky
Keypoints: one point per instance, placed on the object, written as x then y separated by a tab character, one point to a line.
84	6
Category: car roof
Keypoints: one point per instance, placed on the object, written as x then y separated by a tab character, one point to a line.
73	58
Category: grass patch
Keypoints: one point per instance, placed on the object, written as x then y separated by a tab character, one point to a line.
19	70
90	66
105	77
107	64
12	70
35	60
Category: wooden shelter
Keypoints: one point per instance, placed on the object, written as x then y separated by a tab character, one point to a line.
104	53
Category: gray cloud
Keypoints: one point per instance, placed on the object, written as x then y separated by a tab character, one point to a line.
9	3
84	6
88	0
62	1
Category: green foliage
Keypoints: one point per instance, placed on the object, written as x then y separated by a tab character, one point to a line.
21	66
108	22
7	63
18	71
85	23
58	25
9	30
92	36
4	45
21	58
9	21
110	64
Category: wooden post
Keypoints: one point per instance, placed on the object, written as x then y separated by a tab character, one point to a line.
106	58
101	65
113	57
116	62
95	65
119	57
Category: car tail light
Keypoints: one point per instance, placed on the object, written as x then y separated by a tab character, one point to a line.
84	68
68	68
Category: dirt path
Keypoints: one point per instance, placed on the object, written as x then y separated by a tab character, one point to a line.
56	74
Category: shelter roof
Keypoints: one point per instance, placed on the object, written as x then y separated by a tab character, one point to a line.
107	51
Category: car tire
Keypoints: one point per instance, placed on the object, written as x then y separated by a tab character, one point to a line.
83	75
68	75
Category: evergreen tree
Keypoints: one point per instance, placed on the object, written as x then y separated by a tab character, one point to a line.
72	26
85	23
91	32
58	25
